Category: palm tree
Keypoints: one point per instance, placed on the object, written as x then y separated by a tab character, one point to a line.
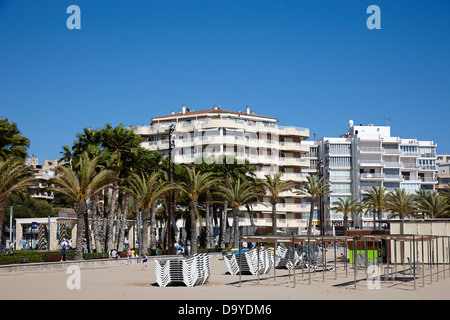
123	146
80	185
12	143
376	200
431	203
401	204
275	186
314	189
226	168
14	176
346	206
194	186
239	193
147	189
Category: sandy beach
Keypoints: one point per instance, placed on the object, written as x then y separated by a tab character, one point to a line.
122	281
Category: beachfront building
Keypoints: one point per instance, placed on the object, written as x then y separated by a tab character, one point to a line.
242	134
42	173
443	171
367	156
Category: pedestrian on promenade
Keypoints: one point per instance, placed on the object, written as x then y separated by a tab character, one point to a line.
144	262
129	255
64	246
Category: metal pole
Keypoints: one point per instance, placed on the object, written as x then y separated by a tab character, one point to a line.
423	270
335	269
274	259
257	256
134	233
293	257
48	235
324	260
414	260
10	223
443	258
437	259
354	261
240	260
430	260
346	257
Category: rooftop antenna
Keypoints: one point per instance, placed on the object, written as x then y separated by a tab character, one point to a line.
388	121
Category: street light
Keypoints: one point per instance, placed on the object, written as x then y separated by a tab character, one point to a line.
171	200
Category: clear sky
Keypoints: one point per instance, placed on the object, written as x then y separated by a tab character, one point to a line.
309	63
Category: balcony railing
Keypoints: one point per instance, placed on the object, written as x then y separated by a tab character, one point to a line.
369	176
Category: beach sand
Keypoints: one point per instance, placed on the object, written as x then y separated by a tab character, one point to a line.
127	281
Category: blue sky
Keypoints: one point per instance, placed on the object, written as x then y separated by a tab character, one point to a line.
311	64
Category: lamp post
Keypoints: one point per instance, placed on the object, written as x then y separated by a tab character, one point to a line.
171	200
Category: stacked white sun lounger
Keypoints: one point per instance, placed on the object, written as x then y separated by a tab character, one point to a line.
285	258
247	262
191	272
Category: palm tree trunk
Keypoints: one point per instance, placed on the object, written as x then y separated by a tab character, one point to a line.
123	222
236	212
311	214
223	225
112	217
153	226
96	223
143	247
274	219
193	204
209	226
80	209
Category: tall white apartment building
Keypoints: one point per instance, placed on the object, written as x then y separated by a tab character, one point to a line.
245	135
367	156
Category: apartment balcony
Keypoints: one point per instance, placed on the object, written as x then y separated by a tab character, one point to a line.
410	165
267	222
294	131
428	168
388	164
294	146
429	180
415	179
370	150
371	163
392	151
371	176
290	161
393	177
410	153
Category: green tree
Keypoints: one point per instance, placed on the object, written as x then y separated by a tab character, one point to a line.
275	186
402	205
12	143
147	189
432	204
14	177
80	185
239	193
313	188
346	207
376	200
195	185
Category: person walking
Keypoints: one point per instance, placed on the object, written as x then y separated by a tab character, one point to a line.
129	255
64	246
144	262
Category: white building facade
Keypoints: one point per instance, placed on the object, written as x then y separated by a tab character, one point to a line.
367	156
244	135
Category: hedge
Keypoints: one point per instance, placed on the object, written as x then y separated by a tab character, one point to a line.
40	256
